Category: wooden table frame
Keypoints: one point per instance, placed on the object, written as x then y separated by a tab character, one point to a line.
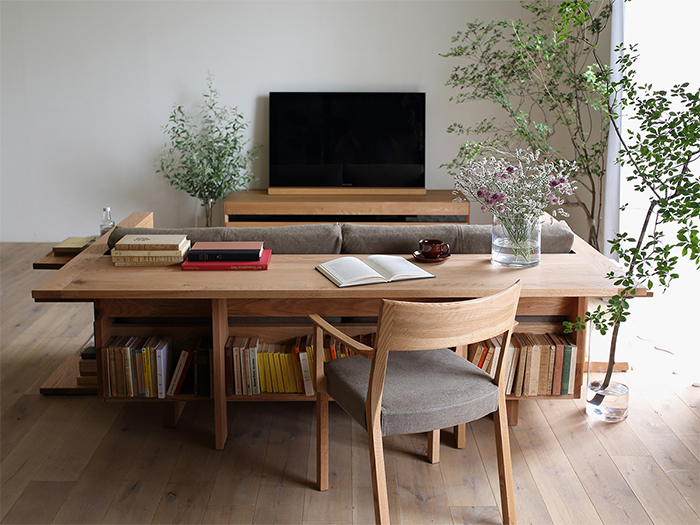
556	290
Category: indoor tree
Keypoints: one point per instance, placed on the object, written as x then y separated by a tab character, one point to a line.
536	73
208	159
659	147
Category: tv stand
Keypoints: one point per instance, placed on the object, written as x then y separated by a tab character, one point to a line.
259	208
344	190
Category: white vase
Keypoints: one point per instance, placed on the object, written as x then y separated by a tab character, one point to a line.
516	240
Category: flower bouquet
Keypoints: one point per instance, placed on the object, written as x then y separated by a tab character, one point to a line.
517	191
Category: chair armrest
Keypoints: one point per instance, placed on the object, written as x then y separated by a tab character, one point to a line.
362	349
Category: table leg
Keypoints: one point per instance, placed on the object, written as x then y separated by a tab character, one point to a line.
219	319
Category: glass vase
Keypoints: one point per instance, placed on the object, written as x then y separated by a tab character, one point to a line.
515	241
605	400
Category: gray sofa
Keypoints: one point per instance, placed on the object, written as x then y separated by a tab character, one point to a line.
360	238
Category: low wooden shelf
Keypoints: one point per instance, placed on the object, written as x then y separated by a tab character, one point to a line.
258	208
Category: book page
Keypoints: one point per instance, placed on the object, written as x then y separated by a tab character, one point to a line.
395	268
349	271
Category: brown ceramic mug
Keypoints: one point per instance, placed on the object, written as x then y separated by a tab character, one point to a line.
433	248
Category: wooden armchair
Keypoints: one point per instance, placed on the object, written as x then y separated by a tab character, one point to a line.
428	387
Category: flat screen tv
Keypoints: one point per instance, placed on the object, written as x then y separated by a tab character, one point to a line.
367	140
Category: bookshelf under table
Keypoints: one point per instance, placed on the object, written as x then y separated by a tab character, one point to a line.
166	300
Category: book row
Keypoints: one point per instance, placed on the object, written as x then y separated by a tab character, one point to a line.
149	367
536	364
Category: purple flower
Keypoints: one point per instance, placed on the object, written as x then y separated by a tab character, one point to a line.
553	199
553	183
484	209
510	170
501	208
480	192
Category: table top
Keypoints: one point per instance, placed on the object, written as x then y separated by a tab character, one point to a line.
94	276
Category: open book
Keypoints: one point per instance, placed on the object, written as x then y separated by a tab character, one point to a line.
351	271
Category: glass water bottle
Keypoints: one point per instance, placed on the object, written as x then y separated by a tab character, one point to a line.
106	223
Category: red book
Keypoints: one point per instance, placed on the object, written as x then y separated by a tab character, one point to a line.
262	264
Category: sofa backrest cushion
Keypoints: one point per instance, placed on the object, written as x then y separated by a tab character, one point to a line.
303	238
462	238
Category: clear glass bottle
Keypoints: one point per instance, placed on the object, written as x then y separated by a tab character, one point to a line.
106	223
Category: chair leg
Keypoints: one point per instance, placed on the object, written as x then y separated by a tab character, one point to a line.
376	456
434	446
461	435
505	467
322	440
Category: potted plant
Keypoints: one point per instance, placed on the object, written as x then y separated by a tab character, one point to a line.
534	72
211	159
516	190
658	152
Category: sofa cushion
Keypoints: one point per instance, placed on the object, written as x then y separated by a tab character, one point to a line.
462	238
303	238
371	238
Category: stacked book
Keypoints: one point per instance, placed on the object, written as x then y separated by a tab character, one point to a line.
536	364
87	367
150	250
228	255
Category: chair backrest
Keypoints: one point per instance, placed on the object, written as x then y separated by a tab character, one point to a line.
428	326
425	326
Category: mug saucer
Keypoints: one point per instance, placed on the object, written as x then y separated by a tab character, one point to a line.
418	256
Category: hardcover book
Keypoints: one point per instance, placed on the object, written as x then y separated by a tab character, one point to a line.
226	251
351	271
262	264
151	242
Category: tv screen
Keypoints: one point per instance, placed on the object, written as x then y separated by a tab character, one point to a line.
347	139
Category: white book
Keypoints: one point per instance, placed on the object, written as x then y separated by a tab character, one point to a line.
306	373
254	369
351	271
163	365
512	365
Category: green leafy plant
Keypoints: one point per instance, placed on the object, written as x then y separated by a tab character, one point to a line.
536	73
209	159
659	151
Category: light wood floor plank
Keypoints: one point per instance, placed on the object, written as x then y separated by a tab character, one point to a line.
227	514
238	478
618	439
26	459
554	475
18	420
463	473
614	501
335	504
471	515
39	502
669	452
529	505
67	461
656	491
422	492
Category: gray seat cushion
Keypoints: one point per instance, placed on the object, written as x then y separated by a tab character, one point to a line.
462	238
302	238
424	390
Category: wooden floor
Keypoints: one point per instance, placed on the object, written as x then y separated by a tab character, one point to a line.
74	459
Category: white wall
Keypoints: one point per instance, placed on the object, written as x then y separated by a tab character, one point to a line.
87	87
